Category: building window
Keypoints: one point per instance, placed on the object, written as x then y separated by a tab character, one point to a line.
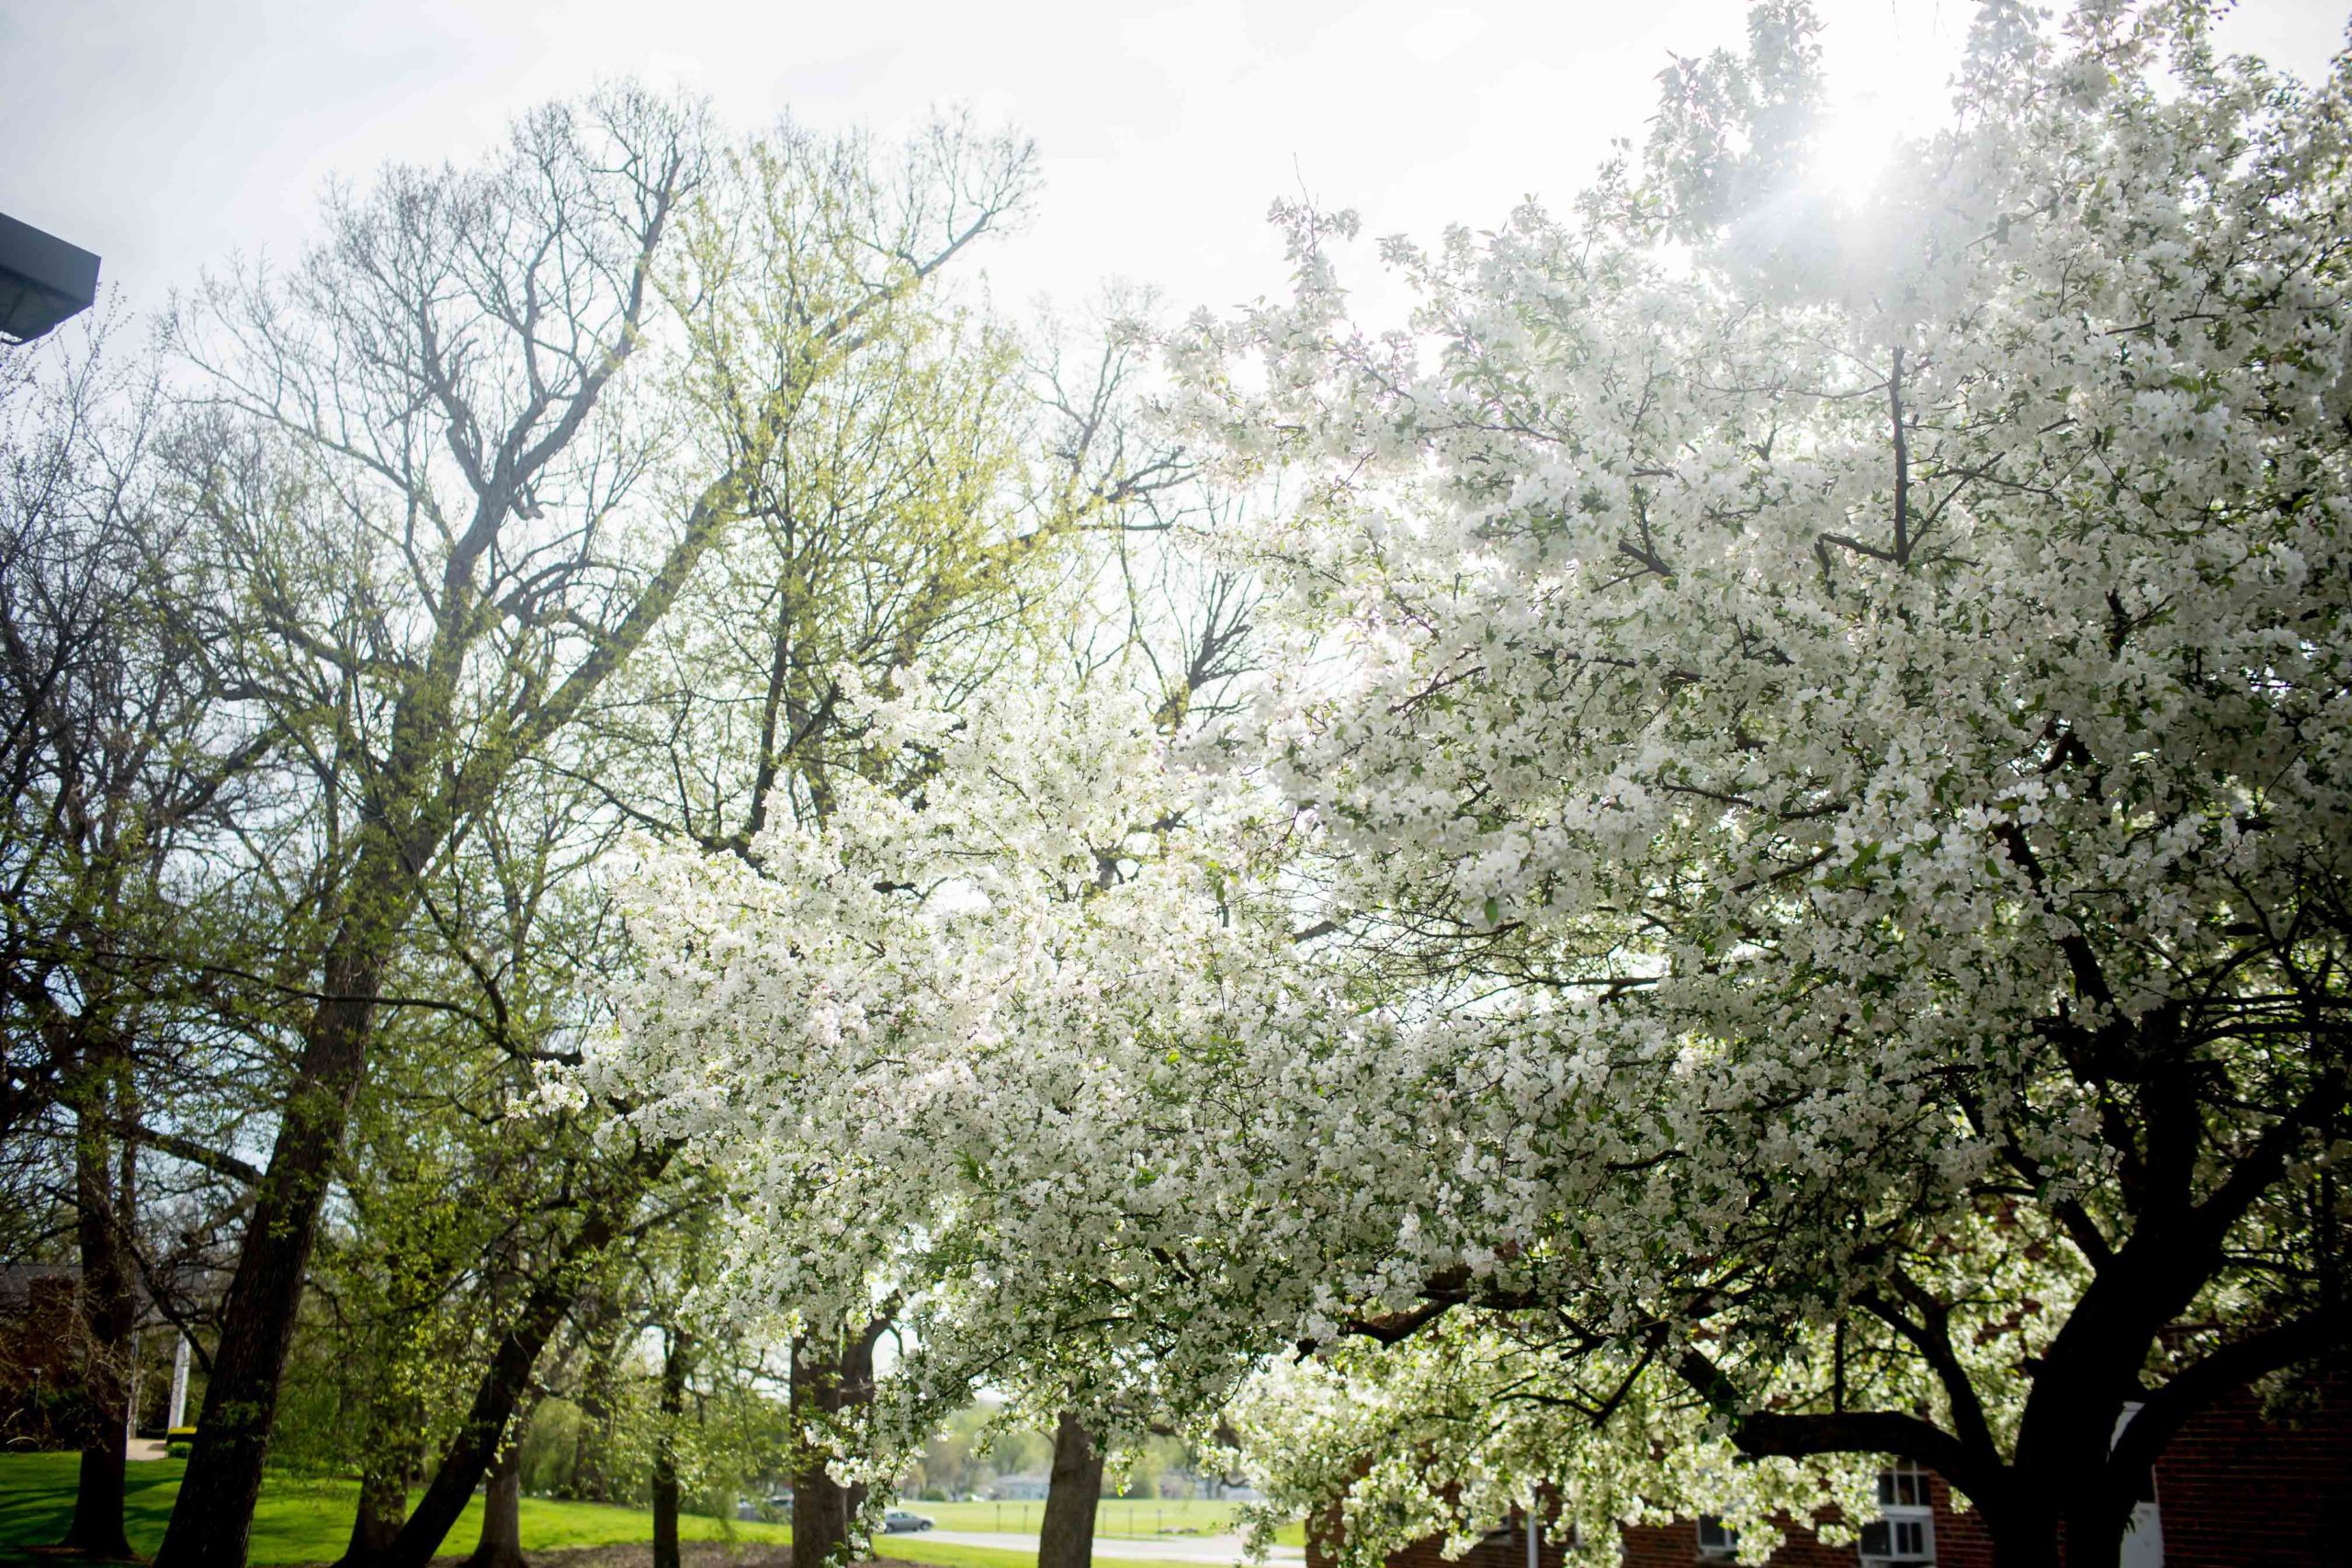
1895	1539
1905	1486
1904	1535
1714	1540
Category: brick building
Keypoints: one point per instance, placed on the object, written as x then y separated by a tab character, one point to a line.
42	1341
2233	1490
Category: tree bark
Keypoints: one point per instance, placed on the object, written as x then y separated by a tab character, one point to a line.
384	1504
665	1453
395	1445
501	1545
214	1516
2029	1548
821	1505
830	1374
103	1211
1066	1538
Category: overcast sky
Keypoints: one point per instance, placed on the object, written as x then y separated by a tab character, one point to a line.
166	133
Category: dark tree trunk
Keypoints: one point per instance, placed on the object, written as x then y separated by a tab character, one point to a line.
2025	1534
102	1215
820	1508
831	1374
214	1516
502	1515
2019	1549
395	1446
1066	1538
383	1505
97	1501
674	1351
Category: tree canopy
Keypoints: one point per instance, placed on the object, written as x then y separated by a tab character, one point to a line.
1783	900
638	826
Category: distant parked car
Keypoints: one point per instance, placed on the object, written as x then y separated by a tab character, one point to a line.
899	1521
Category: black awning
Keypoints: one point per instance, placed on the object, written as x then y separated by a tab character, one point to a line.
42	280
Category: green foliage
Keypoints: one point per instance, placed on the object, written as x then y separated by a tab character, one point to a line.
552	1447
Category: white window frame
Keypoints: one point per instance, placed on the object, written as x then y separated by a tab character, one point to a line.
1898	1482
1726	1544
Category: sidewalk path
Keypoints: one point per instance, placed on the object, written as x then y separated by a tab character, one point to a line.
1220	1549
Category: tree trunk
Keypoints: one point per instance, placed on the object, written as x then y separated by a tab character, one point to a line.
384	1504
830	1374
214	1516
396	1441
666	1452
820	1506
2027	1549
103	1210
2093	1538
502	1513
1066	1538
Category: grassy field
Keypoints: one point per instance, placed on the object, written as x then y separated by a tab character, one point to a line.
1140	1518
1113	1517
941	1554
309	1521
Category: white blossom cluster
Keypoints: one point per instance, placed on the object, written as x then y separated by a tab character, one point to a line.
1781	722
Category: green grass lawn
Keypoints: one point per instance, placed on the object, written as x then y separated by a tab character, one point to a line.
914	1548
309	1521
1114	1517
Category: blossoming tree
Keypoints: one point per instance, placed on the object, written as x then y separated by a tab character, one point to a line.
1792	906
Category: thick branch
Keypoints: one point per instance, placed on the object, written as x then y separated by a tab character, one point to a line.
188	1149
1766	1434
2226	1370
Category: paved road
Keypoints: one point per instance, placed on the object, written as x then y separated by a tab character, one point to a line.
1222	1549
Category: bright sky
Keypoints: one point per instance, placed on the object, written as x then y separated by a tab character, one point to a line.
166	133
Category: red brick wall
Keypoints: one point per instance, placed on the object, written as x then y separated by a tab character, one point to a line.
2236	1490
1500	1550
1961	1542
1677	1545
1495	1551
